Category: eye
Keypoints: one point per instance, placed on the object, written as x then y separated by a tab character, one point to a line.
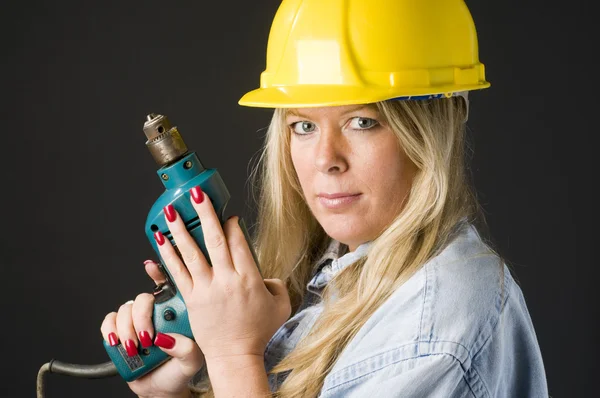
303	127
362	123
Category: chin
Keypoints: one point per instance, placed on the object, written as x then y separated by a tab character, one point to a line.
347	230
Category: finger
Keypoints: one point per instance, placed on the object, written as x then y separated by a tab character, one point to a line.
141	314
241	255
173	263
154	272
109	329
182	349
125	329
186	361
192	256
214	237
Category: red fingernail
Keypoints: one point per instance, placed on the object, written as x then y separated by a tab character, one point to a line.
148	262
170	212
112	339
131	348
164	341
160	238
197	194
145	339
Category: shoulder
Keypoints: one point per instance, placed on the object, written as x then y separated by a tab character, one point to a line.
454	298
475	311
464	290
450	308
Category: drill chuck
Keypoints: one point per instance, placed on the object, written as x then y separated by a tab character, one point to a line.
164	141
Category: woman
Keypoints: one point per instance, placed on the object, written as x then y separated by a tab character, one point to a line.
366	222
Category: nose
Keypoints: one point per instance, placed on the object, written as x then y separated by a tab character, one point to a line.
331	150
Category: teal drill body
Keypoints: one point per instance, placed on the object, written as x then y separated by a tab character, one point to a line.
170	314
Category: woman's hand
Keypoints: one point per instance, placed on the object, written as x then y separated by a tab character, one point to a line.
132	325
233	312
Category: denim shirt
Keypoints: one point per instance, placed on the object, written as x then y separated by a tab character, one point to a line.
459	327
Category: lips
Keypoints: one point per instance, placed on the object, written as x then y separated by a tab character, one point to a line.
339	201
336	195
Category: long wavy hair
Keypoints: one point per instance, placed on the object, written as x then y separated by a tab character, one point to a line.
289	239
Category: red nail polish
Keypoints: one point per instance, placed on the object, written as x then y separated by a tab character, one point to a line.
131	348
112	339
164	341
170	213
145	339
197	194
148	262
160	238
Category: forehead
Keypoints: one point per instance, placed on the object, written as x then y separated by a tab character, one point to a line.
330	111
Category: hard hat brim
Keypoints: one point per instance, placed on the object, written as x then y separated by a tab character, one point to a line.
305	96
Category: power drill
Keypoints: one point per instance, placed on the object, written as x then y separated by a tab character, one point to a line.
179	171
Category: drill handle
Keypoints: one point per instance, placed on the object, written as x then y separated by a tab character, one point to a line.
169	316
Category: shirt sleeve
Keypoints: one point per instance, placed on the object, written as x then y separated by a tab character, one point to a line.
200	383
429	376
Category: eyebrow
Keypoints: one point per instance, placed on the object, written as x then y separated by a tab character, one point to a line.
298	112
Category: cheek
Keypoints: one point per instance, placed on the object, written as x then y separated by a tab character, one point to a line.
300	160
389	173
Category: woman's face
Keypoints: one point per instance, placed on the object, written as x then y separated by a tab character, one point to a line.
353	173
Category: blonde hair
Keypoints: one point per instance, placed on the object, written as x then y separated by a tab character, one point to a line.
289	239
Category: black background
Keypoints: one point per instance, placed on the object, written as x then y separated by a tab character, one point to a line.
78	79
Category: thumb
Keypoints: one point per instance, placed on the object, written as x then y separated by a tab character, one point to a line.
279	291
276	287
183	350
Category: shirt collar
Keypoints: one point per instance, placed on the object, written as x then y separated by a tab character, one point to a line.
334	251
334	260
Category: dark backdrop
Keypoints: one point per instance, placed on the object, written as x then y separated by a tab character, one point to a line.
78	79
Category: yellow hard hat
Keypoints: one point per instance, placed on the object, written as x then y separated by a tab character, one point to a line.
340	52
